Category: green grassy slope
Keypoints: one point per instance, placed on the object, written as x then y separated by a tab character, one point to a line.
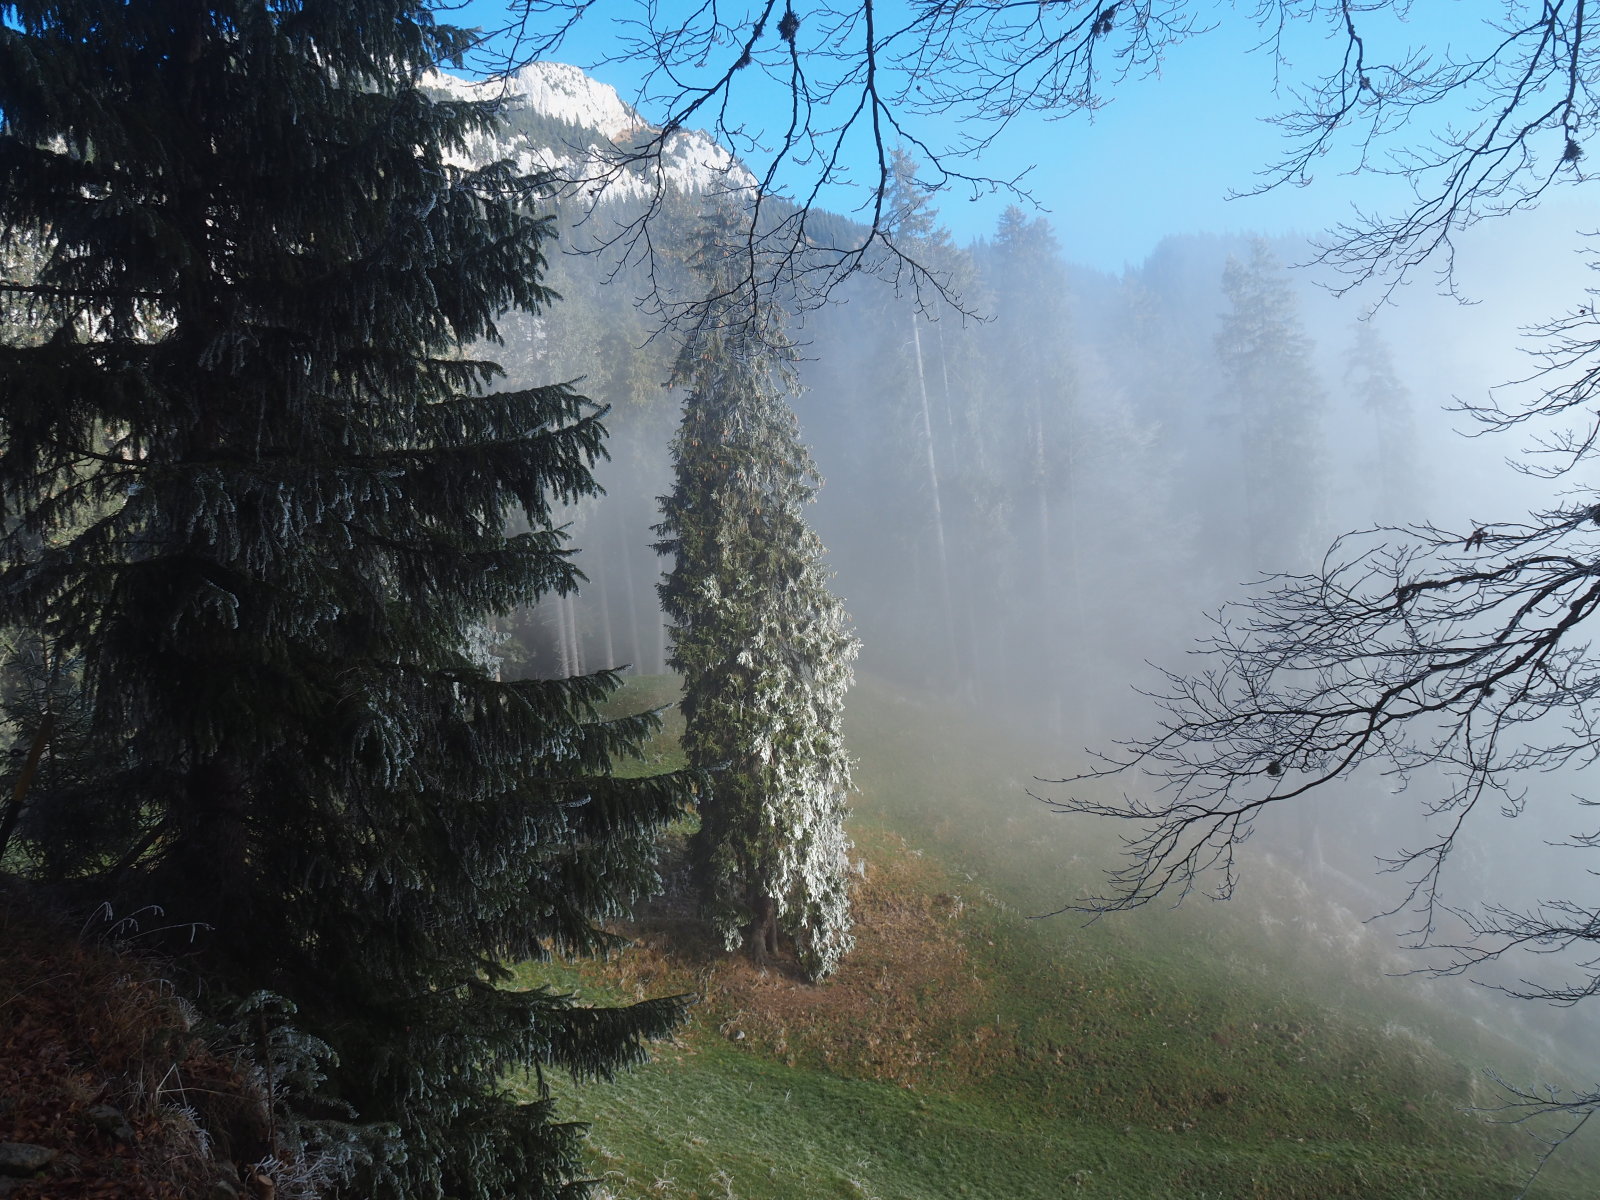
1249	1049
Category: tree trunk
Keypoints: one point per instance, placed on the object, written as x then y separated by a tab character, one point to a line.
608	646
564	665
762	938
635	633
574	643
944	376
942	564
1084	720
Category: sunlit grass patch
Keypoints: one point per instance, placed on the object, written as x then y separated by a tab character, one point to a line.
965	1049
638	694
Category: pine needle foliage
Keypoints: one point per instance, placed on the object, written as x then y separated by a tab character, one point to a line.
764	647
254	493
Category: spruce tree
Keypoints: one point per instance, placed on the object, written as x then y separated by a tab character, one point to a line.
764	647
1031	363
253	491
1391	467
1272	393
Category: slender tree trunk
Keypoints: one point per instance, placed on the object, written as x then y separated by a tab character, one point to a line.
1065	630
965	605
942	563
635	634
607	645
574	643
944	376
1041	473
564	663
1070	706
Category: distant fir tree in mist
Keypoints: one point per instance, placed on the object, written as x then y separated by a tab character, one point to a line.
764	647
1386	406
1030	345
599	335
253	502
899	405
1273	398
1031	368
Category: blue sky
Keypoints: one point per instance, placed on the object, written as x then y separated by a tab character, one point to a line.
1161	158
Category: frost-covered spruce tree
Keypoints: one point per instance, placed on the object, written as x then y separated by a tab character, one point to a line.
764	647
255	492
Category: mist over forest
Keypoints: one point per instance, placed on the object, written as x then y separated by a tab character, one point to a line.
423	593
1037	505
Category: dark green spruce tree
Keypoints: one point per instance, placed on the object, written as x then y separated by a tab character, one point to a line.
254	493
764	647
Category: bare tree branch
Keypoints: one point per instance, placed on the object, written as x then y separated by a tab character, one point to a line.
858	83
1475	134
1485	126
1412	648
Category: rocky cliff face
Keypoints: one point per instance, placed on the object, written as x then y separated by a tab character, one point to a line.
554	90
559	121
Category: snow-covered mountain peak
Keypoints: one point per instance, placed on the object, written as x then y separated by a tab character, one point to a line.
594	164
553	89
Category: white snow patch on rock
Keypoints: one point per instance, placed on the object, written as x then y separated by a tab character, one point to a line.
690	162
554	89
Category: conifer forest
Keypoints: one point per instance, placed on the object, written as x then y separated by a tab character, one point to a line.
567	638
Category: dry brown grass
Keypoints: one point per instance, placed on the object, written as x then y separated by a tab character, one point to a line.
906	1007
81	1027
